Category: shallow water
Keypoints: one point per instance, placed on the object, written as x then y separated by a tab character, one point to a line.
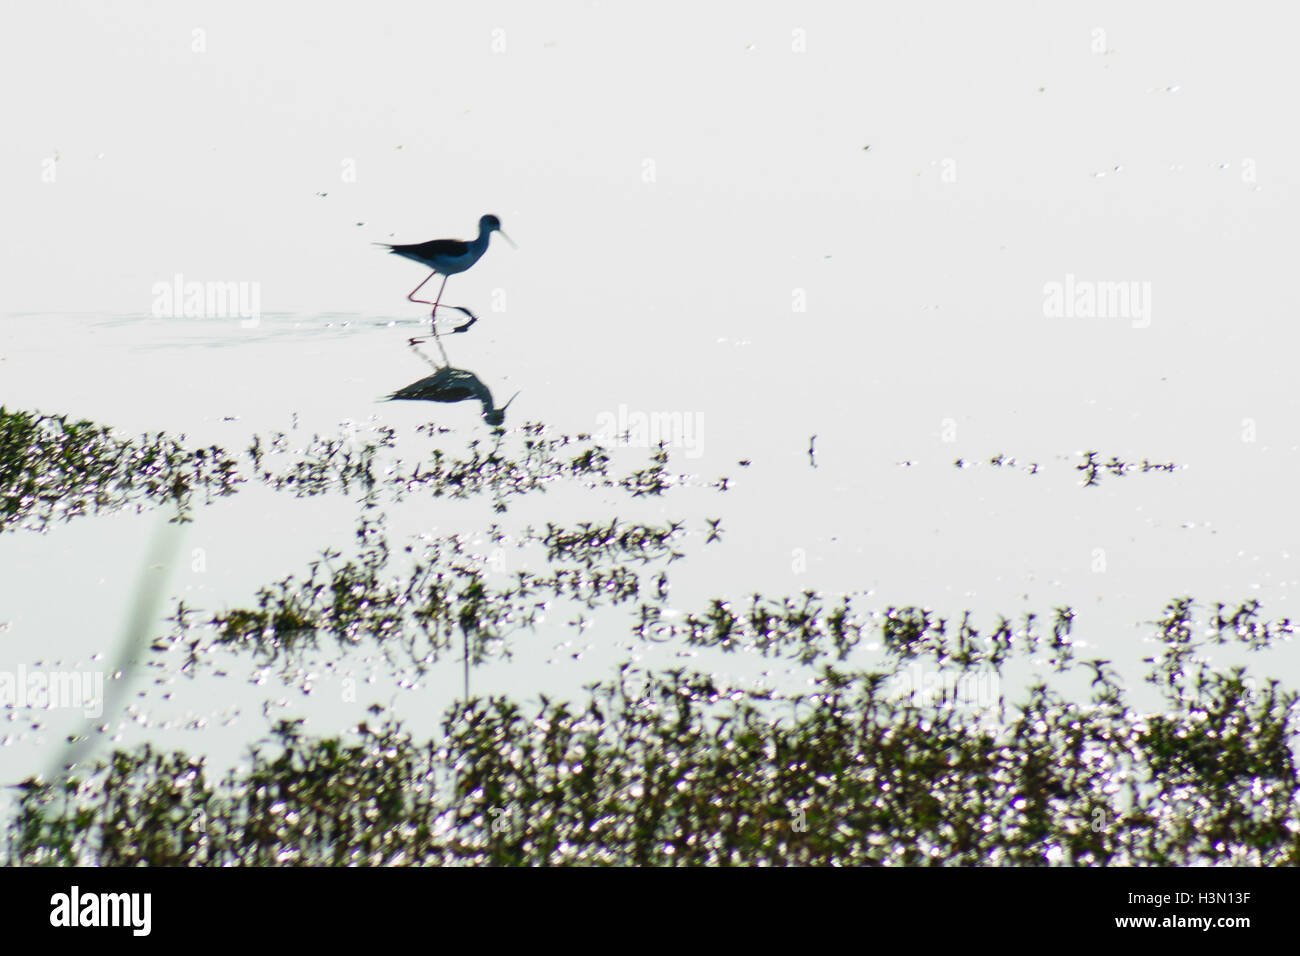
879	511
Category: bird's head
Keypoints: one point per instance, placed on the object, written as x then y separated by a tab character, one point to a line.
497	416
490	224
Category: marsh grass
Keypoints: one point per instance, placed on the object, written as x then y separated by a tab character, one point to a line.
53	468
676	769
663	767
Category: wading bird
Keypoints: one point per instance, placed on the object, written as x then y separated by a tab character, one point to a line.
447	257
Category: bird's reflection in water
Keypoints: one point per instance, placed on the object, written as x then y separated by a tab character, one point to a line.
449	384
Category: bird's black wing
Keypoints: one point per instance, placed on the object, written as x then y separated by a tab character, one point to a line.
434	247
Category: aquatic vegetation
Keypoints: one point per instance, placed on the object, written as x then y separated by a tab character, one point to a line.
1093	469
589	544
516	462
53	468
435	594
674	769
534	462
1001	461
924	738
322	465
809	629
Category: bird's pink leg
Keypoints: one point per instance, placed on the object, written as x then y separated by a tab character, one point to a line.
433	326
412	297
434	314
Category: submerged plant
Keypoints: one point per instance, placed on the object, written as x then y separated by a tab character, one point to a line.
675	769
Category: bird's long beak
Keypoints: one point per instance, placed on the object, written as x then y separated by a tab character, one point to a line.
507	404
507	239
